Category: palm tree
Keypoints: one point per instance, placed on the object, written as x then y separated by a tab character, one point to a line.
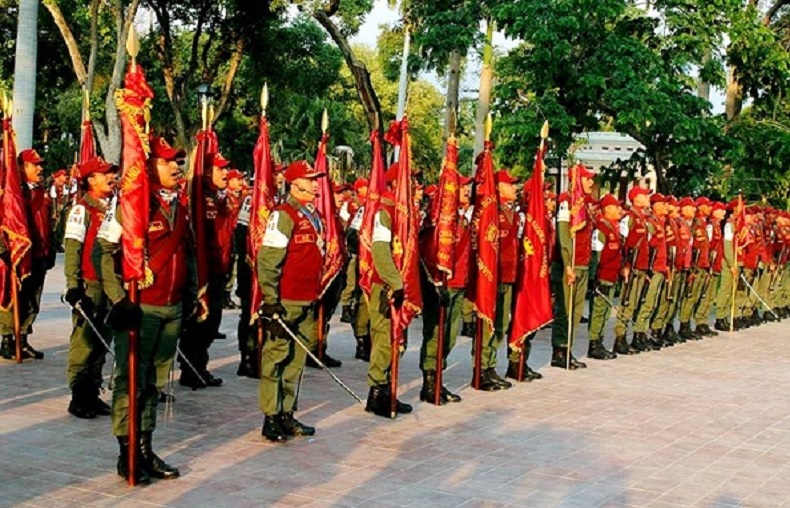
25	72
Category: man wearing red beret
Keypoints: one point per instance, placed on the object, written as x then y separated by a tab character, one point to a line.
658	271
634	228
700	272
38	207
59	193
83	287
662	324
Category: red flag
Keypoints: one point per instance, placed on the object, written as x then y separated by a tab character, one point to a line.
325	204
405	226
578	201
261	206
484	275
532	309
206	143
87	146
13	218
445	213
376	188
134	102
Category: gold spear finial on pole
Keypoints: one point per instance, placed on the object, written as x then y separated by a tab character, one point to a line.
86	105
133	46
544	134
210	115
204	112
265	98
325	121
489	126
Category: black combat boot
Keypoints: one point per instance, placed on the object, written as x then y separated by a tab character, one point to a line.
379	402
450	396
294	427
347	316
685	332
273	429
141	475
756	319
654	340
722	325
559	358
154	466
657	335
29	352
210	379
512	372
81	404
487	384
597	351
248	365
671	334
428	391
705	331
229	303
190	380
327	360
7	350
493	376
363	348
99	406
639	342
622	347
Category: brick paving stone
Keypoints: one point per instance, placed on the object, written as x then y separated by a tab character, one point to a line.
702	424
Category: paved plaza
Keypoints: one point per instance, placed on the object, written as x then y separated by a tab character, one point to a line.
701	424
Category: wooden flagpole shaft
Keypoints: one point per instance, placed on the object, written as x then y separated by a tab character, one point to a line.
735	279
133	410
570	308
478	353
521	361
260	330
17	324
437	396
321	330
394	366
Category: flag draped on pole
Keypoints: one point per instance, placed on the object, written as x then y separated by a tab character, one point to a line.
484	275
87	144
335	255
261	206
445	212
134	105
532	308
207	143
13	218
376	188
578	201
405	226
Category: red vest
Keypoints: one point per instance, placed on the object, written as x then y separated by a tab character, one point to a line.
637	239
701	243
39	213
658	242
717	246
95	216
611	259
300	279
683	253
167	249
752	250
508	246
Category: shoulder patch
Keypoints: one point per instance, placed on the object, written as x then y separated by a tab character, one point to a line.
563	213
244	211
110	229
273	237
75	224
381	233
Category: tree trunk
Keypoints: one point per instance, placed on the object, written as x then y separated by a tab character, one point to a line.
734	99
403	83
703	87
453	89
486	81
367	94
25	73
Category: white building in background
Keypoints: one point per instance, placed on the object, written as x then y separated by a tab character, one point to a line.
598	150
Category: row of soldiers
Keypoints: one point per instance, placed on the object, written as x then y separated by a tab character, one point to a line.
665	258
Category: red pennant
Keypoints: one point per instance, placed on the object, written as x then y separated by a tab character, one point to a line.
335	256
376	188
261	206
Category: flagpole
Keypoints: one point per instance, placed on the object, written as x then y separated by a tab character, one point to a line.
734	268
7	109
321	316
259	322
437	397
571	307
132	47
394	364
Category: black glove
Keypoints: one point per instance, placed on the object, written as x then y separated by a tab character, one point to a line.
74	296
444	296
397	297
268	310
125	315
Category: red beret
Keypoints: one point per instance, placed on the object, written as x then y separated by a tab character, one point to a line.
702	200
582	171
687	201
672	200
235	173
300	169
636	191
503	176
431	189
340	187
392	173
217	160
658	198
609	200
361	183
279	168
96	165
161	149
60	172
718	205
30	156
